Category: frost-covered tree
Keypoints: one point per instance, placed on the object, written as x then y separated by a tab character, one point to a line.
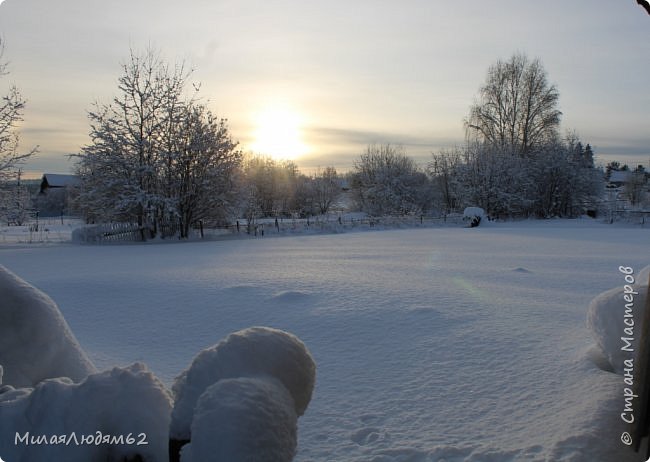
200	170
15	202
326	188
119	167
271	187
386	181
494	179
157	156
516	107
636	188
443	171
557	180
14	197
11	114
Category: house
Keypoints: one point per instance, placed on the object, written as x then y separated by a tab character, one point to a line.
57	180
55	194
628	190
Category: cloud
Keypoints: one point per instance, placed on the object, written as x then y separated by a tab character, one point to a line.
361	138
343	146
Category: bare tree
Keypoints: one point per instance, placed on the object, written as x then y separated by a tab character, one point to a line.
271	186
636	186
443	171
326	188
517	107
388	182
11	114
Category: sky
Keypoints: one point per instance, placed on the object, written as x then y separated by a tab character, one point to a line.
318	82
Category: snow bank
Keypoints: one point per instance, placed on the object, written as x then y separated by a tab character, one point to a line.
471	212
240	400
251	419
606	318
474	215
129	402
252	352
35	341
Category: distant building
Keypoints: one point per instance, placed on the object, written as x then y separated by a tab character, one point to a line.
56	193
57	180
628	190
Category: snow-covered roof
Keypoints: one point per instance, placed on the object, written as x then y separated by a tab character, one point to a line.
619	176
57	180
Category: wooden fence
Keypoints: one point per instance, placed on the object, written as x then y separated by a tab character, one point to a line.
129	232
109	232
267	226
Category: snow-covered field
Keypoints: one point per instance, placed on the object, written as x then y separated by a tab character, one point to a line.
437	344
44	231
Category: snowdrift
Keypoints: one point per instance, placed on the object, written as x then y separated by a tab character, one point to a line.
617	314
35	341
238	400
243	396
251	419
114	415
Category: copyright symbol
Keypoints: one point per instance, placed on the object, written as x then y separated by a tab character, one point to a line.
626	439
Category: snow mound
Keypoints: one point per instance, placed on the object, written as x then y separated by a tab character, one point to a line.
129	402
35	341
473	215
470	212
251	419
252	352
610	321
291	296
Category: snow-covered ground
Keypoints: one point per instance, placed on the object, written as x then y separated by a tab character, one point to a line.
43	231
437	344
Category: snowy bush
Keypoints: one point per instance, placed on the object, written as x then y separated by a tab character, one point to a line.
123	402
35	341
607	319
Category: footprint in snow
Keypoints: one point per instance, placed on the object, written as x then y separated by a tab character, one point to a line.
365	436
369	418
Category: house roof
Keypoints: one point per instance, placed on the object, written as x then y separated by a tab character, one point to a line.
57	180
619	176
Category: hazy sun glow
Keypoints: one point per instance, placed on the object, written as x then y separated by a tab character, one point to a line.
278	133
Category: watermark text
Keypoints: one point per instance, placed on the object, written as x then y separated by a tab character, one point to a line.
627	340
72	439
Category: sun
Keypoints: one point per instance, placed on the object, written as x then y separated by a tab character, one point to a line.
278	133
